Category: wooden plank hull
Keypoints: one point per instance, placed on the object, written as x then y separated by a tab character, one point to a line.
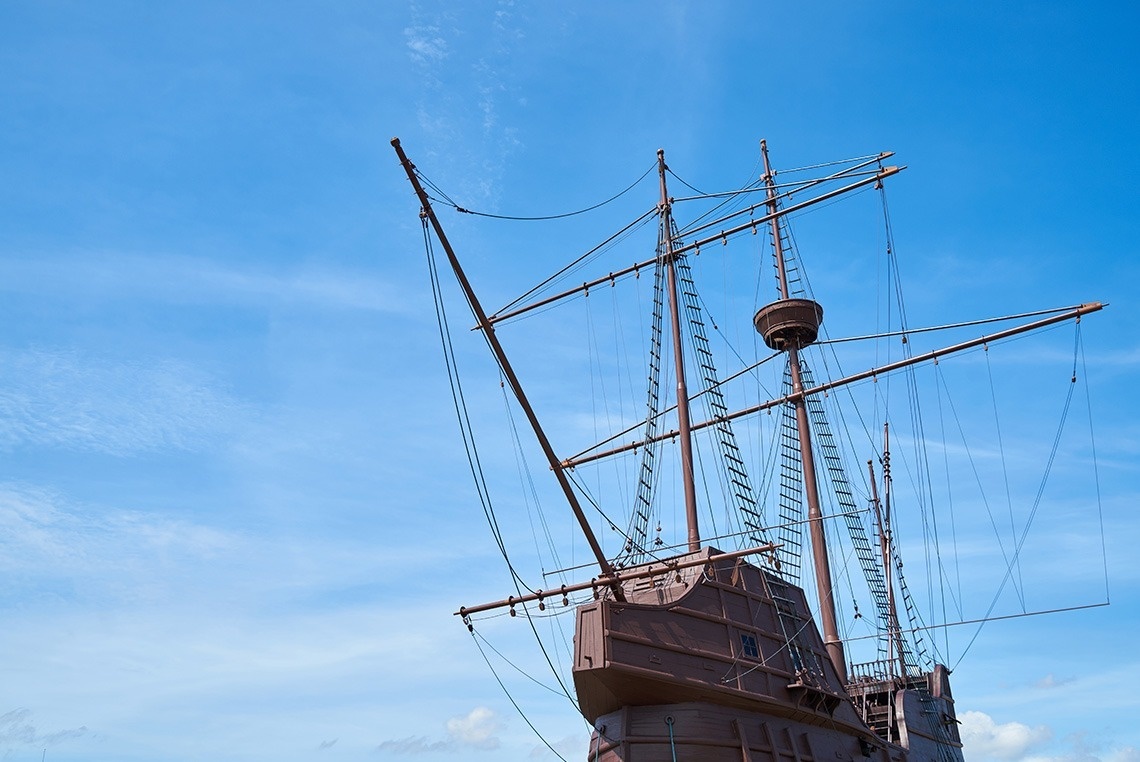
725	658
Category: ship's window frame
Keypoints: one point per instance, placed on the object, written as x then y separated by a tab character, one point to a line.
749	646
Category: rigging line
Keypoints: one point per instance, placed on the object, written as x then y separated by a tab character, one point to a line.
687	185
948	326
700	466
749	183
692	398
590	499
1002	618
1019	583
672	548
860	377
752	187
426	181
974	467
514	666
729	199
621	350
549	661
519	584
514	703
540	218
474	462
459	402
628	228
526	476
721	236
949	499
1096	470
1040	489
926	496
832	163
847	174
789	189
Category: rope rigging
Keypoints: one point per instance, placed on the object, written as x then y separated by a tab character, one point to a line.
446	200
514	703
1009	572
467	434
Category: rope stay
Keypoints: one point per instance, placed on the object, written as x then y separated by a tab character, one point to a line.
447	201
511	698
468	436
637	536
732	472
1024	534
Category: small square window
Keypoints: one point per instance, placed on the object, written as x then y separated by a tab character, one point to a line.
749	647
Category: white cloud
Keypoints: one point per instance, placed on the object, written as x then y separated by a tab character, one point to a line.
41	530
18	729
425	44
177	279
983	739
62	399
1050	681
477	730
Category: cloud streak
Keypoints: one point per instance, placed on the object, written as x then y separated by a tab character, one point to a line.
18	729
62	399
178	279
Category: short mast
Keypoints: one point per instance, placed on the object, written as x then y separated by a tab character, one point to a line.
789	325
883	524
893	624
508	371
665	249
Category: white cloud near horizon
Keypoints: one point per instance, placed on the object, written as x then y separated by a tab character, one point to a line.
477	730
985	740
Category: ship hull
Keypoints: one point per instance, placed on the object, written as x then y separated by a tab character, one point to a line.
723	661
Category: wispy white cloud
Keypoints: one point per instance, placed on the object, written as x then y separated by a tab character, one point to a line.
468	117
425	44
1050	681
179	279
17	728
52	548
569	747
59	398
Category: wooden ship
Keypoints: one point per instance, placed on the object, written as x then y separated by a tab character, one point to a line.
699	653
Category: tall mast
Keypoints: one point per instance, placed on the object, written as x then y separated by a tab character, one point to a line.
790	325
665	244
508	371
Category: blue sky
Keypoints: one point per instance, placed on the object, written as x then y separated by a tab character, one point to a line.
235	515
